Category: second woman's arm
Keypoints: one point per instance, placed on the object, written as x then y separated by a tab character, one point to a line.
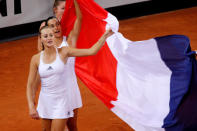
71	52
73	36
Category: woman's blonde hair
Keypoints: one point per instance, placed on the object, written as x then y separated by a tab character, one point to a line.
42	28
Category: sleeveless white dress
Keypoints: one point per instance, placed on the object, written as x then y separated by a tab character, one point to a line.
71	80
54	99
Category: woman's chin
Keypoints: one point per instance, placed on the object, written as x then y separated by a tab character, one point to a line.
50	45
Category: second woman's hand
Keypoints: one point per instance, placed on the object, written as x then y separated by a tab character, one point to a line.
108	33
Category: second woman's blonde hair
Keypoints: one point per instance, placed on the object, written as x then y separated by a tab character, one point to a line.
56	3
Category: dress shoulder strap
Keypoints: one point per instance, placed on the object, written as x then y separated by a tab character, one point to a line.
41	56
57	53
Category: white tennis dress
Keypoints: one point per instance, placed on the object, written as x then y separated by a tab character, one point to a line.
71	80
54	99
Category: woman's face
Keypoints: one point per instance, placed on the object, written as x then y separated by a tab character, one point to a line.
47	37
59	10
56	27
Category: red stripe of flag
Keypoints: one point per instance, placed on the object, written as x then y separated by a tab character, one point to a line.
97	72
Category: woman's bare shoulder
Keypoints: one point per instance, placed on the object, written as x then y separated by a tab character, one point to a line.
36	58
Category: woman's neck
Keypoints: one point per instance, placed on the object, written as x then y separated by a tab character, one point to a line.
58	41
49	51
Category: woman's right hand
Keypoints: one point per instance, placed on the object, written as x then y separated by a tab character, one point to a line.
34	114
108	33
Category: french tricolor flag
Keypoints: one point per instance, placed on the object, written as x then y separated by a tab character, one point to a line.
150	84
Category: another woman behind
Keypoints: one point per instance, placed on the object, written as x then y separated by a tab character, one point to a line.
58	8
61	41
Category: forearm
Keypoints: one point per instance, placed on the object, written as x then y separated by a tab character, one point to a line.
73	36
32	88
87	52
31	104
77	9
30	97
96	47
91	51
36	85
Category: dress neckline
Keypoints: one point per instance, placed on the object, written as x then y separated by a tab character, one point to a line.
42	55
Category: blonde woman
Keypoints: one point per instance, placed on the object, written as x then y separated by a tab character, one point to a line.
54	106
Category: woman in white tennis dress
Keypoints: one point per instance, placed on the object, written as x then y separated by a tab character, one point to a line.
54	101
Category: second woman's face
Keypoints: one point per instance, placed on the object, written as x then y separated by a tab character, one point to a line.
56	27
47	37
59	10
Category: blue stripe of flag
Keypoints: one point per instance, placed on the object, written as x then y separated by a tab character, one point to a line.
176	53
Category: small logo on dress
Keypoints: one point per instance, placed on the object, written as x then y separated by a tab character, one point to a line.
68	113
50	68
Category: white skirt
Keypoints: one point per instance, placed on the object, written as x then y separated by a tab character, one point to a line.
56	106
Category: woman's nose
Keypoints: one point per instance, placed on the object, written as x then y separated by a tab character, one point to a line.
56	27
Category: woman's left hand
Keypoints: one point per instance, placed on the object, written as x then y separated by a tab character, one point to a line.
34	114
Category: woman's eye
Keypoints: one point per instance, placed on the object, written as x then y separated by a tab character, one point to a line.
45	36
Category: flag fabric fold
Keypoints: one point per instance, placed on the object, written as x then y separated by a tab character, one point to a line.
146	82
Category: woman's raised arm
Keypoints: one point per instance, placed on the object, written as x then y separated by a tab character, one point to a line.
71	52
73	36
